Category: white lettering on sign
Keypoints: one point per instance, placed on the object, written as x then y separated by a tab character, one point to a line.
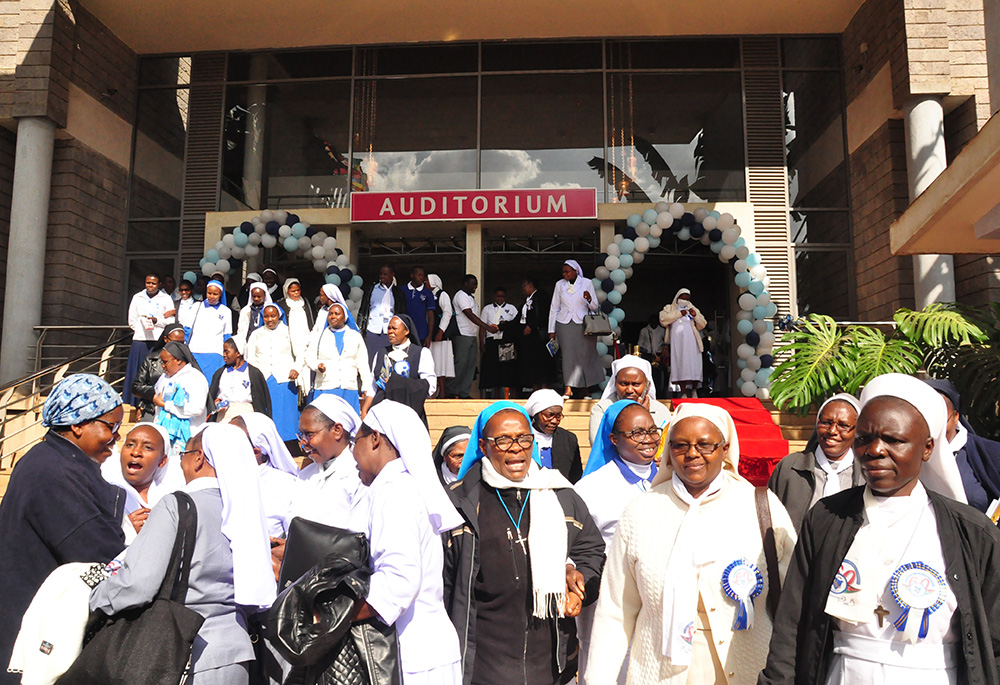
460	199
402	206
427	205
387	208
501	204
538	205
557	205
479	204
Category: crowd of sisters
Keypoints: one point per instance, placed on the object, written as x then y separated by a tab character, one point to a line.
498	555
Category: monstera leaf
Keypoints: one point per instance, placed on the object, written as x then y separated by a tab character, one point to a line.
938	324
875	354
819	361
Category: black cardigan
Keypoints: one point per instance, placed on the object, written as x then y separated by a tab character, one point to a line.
566	455
398	305
260	395
461	566
802	641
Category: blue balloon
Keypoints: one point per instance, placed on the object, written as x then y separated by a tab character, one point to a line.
298	230
597	282
770	327
677	225
649	216
203	262
744	326
715	235
626	260
607	285
602	349
212	255
617	276
618	313
742	279
246	227
607	306
716	247
741	363
627	246
753	259
715	213
634	220
753	338
357	282
333	278
272	227
346	275
654	241
601	258
615	297
333	269
240	239
291	243
766	361
688	219
190	277
234	262
740	242
771	308
697	231
761	378
345	289
339	252
760	312
613	321
756	287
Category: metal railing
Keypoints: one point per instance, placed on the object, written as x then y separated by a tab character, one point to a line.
21	401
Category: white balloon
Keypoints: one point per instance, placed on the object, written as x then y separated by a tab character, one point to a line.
710	222
219	245
727	252
259	229
619	238
319	265
342	261
268	241
281	216
606	361
322	236
329	244
601	296
730	236
251	250
742	252
621	288
661	207
613	249
638	257
726	221
267	215
763	394
317	252
664	220
284	231
764	299
253	239
704	239
602	272
747	301
740	264
676	210
629	271
316	240
642	230
744	315
356	294
747	374
208	269
753	362
239	252
305	243
700	214
612	262
228	240
749	389
352	268
225	252
766	339
744	351
329	254
758	272
223	265
759	326
641	245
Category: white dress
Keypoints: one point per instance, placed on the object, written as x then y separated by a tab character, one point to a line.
685	354
325	492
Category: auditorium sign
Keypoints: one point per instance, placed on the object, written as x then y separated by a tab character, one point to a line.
475	205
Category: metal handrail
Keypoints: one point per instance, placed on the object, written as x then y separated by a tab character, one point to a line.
40	373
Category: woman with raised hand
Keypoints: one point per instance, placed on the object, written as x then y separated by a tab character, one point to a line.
573	298
338	355
271	350
895	581
686	580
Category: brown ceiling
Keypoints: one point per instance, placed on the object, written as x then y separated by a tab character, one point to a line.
180	26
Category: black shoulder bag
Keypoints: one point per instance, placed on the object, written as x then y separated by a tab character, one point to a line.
152	644
770	550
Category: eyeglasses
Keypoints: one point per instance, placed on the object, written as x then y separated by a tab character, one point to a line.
307	436
505	443
703	448
551	415
840	427
183	452
640	434
113	427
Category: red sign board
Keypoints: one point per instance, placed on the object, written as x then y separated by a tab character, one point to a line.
475	205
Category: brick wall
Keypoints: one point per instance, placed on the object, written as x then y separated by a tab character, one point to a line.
878	185
879	26
7	142
102	62
967	55
86	240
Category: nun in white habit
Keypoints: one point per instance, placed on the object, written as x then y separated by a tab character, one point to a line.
631	379
231	571
277	471
683	322
573	298
404	515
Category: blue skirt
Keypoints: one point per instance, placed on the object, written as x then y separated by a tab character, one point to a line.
350	395
284	407
136	354
210	362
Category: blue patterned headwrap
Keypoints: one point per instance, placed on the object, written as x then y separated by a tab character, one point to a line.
472	451
77	399
603	450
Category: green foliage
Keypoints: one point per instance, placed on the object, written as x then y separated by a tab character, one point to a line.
975	371
938	324
815	366
875	354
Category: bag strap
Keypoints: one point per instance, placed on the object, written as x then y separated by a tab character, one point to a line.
770	549
175	581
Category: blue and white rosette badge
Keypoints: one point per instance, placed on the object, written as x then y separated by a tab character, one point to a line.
916	587
402	368
742	582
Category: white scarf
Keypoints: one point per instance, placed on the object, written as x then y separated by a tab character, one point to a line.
890	523
680	589
547	539
961	437
833	469
528	304
399	352
385	307
449	477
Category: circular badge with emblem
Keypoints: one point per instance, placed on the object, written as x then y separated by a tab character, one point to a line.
742	582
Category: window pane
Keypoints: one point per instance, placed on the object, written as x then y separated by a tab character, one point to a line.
814	139
433	59
823	279
138	267
165	71
697	53
820	227
415	134
540	56
810	52
153	236
158	170
288	65
542	130
677	137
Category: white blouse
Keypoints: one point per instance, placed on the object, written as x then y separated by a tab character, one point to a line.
271	351
143	309
234	384
209	329
571	307
342	370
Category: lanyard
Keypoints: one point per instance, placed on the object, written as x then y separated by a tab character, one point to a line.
517	526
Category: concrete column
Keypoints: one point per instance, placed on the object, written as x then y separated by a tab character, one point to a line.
607	234
933	275
475	260
991	18
348	243
29	220
253	141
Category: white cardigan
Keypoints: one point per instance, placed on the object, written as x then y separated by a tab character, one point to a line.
271	352
630	604
342	370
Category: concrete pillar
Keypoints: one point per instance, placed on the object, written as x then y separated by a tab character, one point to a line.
933	275
475	260
253	142
348	243
607	233
991	18
29	220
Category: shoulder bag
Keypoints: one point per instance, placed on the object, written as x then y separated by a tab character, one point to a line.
596	324
151	644
770	550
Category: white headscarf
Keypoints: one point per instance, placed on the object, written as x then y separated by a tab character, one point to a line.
338	410
846	461
629	361
406	432
293	304
267	295
939	473
264	436
166	479
540	400
435	283
243	522
682	291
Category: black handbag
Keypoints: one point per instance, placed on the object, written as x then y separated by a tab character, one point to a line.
309	543
152	644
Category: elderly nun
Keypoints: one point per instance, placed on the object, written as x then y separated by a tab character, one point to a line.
231	568
57	508
631	379
573	298
686	580
404	515
558	448
449	452
895	581
181	395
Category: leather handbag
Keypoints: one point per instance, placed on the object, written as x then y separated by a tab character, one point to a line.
308	543
152	644
596	324
770	550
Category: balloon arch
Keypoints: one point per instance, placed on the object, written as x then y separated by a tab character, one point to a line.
642	233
